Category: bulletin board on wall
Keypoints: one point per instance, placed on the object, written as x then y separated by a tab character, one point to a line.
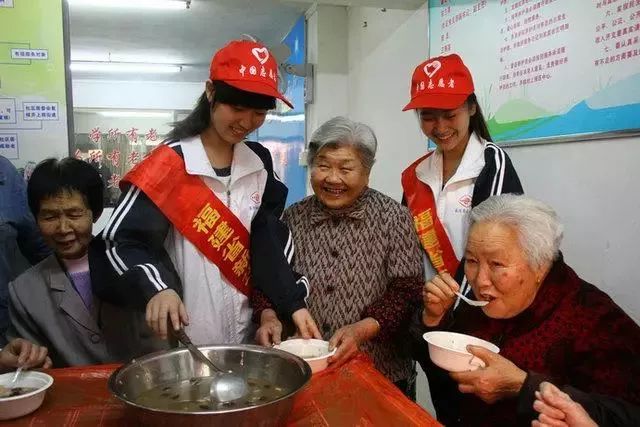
33	81
547	70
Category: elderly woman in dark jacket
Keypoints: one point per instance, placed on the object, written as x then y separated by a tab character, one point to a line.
358	250
550	325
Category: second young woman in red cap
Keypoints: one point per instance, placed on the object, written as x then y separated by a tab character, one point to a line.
466	168
199	217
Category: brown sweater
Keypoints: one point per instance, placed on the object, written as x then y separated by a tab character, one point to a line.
362	261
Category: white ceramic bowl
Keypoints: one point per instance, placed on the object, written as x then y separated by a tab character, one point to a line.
17	406
448	350
315	352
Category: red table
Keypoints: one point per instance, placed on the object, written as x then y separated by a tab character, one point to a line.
354	395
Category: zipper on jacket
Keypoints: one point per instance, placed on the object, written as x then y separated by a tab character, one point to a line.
228	198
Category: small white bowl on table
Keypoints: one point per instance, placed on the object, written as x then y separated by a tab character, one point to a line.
18	406
315	352
448	350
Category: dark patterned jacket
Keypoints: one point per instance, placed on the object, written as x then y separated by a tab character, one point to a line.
362	261
573	334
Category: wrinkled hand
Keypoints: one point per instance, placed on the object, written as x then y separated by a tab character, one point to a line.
166	306
557	409
305	325
270	330
348	339
438	295
20	352
500	378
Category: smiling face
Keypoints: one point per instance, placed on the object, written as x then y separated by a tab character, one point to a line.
65	222
448	129
233	123
338	176
497	268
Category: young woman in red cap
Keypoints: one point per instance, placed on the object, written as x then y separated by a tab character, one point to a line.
178	243
441	187
466	168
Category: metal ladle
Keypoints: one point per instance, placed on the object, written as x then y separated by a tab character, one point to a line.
226	386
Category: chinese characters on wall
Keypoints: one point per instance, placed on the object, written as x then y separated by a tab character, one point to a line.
114	151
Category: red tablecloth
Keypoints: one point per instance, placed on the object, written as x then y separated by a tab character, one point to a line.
354	395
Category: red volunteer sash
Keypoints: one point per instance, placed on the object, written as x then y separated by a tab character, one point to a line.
196	212
432	234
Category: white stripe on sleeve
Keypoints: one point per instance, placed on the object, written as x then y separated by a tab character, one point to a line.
125	211
497	158
288	245
116	212
150	277
291	252
156	274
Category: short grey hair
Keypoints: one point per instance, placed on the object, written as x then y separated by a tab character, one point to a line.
343	131
536	223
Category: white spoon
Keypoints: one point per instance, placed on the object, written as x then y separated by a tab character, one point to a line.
15	377
471	301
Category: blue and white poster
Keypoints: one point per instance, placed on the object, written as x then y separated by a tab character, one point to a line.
546	68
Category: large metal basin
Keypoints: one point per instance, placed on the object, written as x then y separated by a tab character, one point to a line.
276	367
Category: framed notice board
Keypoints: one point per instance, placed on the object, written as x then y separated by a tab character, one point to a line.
34	92
547	70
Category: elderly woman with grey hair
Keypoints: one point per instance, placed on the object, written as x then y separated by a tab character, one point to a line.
358	249
549	324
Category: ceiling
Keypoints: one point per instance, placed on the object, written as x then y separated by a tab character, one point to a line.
187	37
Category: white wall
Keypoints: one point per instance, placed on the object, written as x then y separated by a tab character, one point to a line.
327	32
593	185
383	50
363	71
382	55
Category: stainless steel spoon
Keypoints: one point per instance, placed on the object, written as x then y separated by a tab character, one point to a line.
471	301
226	386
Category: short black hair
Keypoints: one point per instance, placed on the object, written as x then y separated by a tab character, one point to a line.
200	117
52	177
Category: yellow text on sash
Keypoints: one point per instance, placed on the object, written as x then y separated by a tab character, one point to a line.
427	234
219	232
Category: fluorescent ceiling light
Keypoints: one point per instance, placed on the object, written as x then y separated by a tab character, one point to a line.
285	119
136	114
133	4
124	67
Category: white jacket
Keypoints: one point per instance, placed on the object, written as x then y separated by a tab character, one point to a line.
453	202
218	313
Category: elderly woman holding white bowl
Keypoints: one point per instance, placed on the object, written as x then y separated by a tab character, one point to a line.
549	324
358	250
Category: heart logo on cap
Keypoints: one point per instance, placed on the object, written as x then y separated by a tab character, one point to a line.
431	68
261	54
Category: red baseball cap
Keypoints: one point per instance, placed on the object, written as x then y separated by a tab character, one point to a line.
248	66
443	82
